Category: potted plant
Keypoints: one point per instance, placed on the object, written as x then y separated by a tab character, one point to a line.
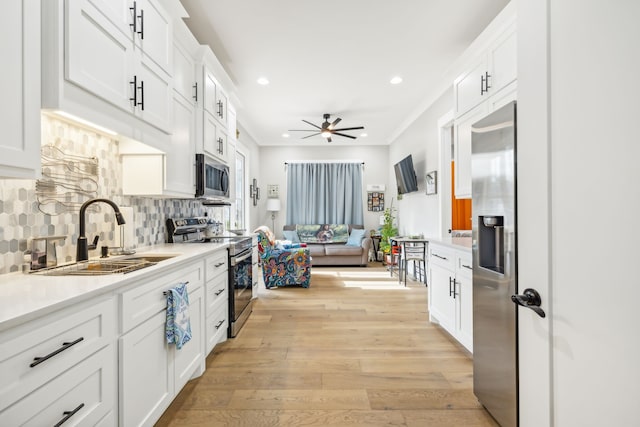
387	231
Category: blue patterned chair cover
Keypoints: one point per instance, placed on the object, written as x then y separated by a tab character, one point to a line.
282	267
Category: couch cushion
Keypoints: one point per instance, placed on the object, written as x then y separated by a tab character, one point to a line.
291	235
323	233
316	249
331	250
355	237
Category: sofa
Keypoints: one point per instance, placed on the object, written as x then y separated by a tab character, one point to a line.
332	244
282	266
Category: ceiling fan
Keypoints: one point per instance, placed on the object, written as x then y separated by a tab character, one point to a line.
327	129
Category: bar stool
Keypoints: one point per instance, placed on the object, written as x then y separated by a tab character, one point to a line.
394	259
415	252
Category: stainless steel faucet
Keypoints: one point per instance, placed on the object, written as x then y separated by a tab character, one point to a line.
44	257
82	252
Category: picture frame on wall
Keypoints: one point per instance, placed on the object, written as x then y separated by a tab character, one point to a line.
431	182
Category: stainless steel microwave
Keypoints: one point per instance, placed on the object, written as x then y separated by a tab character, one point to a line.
212	177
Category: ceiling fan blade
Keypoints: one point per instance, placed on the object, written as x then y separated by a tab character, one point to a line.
355	128
335	122
302	130
315	126
309	136
343	134
329	139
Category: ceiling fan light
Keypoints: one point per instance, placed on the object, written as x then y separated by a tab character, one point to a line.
326	134
396	80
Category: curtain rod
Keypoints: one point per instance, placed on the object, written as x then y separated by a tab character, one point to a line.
322	161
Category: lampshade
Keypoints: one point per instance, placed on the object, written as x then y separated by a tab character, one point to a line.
273	205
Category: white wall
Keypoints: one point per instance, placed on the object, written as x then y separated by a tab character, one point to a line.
418	213
273	171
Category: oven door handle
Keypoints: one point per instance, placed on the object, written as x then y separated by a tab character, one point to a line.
236	260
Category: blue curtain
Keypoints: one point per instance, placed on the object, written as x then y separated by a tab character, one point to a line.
324	193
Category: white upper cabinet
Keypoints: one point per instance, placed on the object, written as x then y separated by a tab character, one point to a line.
487	83
20	88
491	71
120	52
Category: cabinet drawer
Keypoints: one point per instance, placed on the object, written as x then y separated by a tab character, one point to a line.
442	256
147	299
90	329
216	325
217	289
217	264
88	388
464	264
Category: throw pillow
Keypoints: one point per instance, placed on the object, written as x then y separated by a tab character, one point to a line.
356	237
291	235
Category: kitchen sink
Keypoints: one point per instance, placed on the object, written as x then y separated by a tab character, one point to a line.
105	266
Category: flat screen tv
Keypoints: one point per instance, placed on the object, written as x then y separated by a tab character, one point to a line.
406	178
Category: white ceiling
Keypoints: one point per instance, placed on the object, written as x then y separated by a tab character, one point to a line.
337	57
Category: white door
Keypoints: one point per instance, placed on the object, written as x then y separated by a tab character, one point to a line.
578	167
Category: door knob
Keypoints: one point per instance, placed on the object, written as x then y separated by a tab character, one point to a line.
530	299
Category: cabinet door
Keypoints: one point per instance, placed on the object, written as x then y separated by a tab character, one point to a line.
155	34
503	61
184	78
442	304
118	12
146	374
190	357
180	173
210	89
209	139
98	56
462	150
155	94
20	88
464	299
468	87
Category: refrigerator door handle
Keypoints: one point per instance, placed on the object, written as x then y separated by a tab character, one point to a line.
530	299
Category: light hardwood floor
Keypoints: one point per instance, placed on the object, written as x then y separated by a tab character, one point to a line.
354	349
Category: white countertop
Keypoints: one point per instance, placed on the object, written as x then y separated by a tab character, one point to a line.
24	297
463	243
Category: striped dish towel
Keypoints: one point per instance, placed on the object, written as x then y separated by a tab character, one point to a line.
178	326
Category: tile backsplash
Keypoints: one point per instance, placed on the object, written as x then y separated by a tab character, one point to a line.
25	213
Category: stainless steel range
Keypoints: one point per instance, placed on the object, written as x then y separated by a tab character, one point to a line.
195	230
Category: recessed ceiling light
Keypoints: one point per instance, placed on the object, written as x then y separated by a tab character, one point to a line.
396	80
285	135
363	135
263	81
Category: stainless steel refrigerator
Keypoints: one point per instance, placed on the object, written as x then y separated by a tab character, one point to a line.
495	351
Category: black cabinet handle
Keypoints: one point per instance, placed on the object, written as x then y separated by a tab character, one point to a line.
135	17
450	280
467	266
219	292
135	89
219	324
438	256
195	92
141	87
219	264
68	414
530	299
141	32
486	81
65	345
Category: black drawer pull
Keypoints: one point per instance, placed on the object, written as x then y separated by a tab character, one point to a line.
219	292
68	414
219	264
219	324
438	256
467	266
65	345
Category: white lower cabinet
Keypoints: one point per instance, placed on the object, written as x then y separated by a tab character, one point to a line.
153	372
450	292
62	362
217	300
